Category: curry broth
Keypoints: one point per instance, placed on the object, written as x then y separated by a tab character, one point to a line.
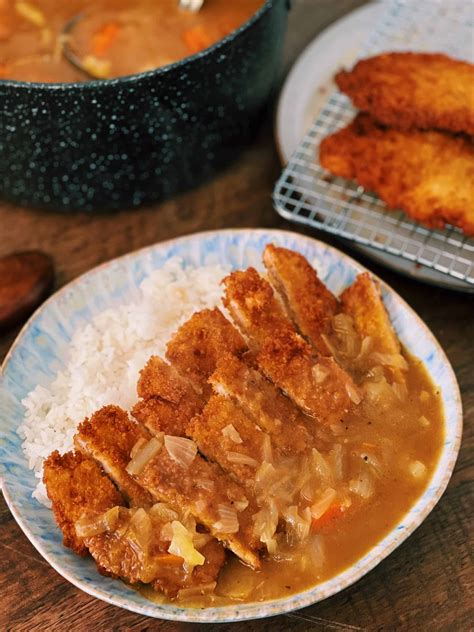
113	38
343	539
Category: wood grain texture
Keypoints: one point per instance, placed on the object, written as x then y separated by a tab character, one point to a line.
425	584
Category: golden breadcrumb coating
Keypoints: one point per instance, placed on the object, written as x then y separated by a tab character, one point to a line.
363	302
319	387
308	301
160	379
108	437
288	427
413	90
217	444
77	485
169	401
81	492
199	342
200	488
429	175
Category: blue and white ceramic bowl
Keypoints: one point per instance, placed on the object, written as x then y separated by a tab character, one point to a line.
42	346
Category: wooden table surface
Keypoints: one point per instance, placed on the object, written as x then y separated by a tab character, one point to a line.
428	582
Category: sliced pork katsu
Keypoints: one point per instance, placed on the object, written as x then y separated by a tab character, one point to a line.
168	469
225	435
128	543
75	485
319	387
198	344
108	437
307	300
363	302
173	472
168	401
290	430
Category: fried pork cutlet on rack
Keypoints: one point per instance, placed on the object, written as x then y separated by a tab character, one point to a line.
128	543
308	302
290	430
413	90
168	401
76	484
170	470
427	174
363	302
199	343
318	386
108	437
225	435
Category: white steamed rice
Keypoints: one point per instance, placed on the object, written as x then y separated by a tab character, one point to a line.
106	355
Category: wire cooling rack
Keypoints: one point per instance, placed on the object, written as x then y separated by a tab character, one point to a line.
307	194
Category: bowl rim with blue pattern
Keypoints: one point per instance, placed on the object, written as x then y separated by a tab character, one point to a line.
117	280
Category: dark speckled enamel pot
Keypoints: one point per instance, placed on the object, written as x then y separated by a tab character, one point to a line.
128	141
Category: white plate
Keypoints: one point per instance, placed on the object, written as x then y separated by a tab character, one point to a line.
304	93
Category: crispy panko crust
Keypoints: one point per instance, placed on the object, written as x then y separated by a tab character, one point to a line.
363	302
207	431
77	485
429	175
160	379
199	489
308	301
159	416
169	401
318	387
288	427
413	90
108	437
253	306
199	342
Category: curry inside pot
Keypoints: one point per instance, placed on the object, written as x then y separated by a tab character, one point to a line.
107	38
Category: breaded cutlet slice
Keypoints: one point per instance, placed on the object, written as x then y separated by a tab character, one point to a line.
200	488
288	427
307	300
413	90
134	547
199	343
75	485
427	174
160	379
362	301
168	401
108	437
125	543
318	386
208	494
225	435
253	306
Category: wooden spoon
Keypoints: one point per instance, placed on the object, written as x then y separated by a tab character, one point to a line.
26	278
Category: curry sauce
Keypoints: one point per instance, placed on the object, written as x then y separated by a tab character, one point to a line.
107	38
409	431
